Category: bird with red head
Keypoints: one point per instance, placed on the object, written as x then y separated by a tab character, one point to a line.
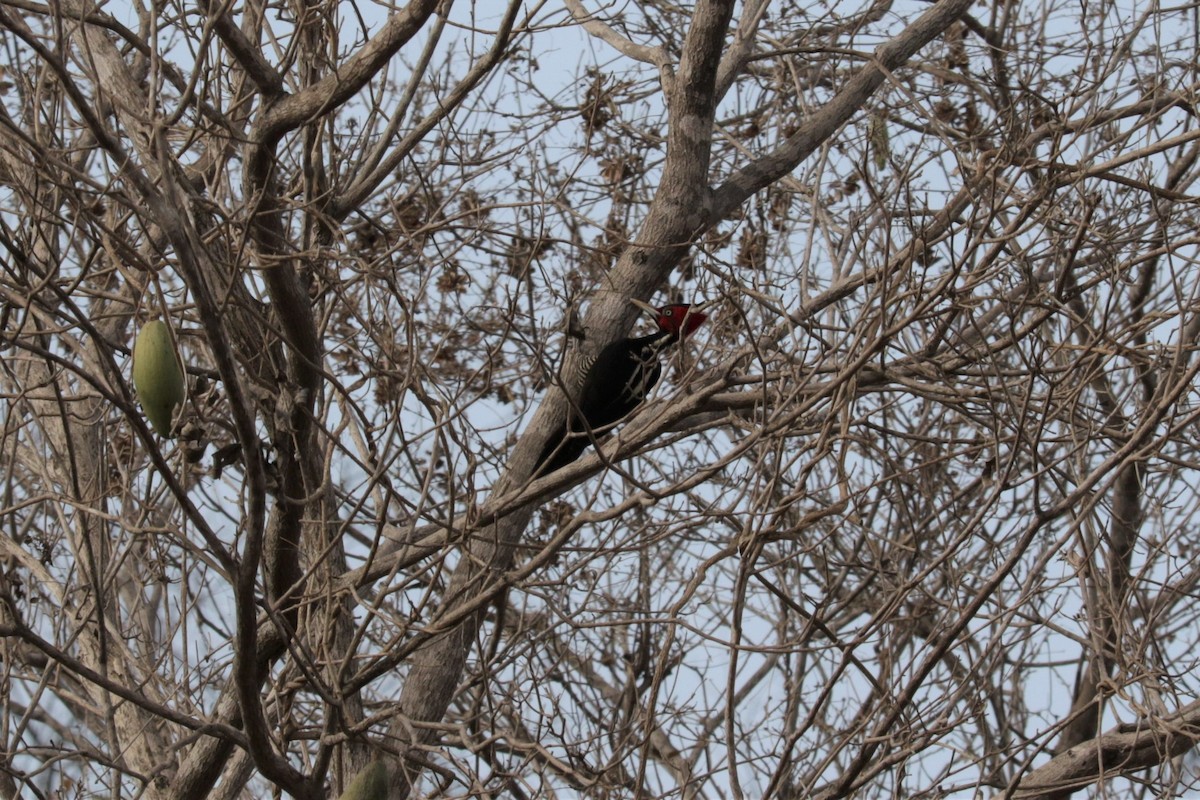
617	381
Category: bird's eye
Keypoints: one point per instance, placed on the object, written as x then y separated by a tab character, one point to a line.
670	312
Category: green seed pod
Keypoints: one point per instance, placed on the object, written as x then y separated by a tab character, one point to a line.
370	784
157	376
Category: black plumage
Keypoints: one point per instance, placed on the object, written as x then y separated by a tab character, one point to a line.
616	382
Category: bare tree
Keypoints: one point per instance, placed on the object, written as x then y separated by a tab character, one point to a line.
910	515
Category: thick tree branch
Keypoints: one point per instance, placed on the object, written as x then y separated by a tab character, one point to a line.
742	48
656	56
1125	750
818	127
330	92
264	76
676	215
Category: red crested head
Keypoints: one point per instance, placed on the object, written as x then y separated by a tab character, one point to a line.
679	319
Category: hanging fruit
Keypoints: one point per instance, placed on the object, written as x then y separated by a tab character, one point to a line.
157	376
370	784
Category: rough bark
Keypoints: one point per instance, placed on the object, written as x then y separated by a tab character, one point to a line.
681	211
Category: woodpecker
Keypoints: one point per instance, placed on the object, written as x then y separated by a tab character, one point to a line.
616	381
